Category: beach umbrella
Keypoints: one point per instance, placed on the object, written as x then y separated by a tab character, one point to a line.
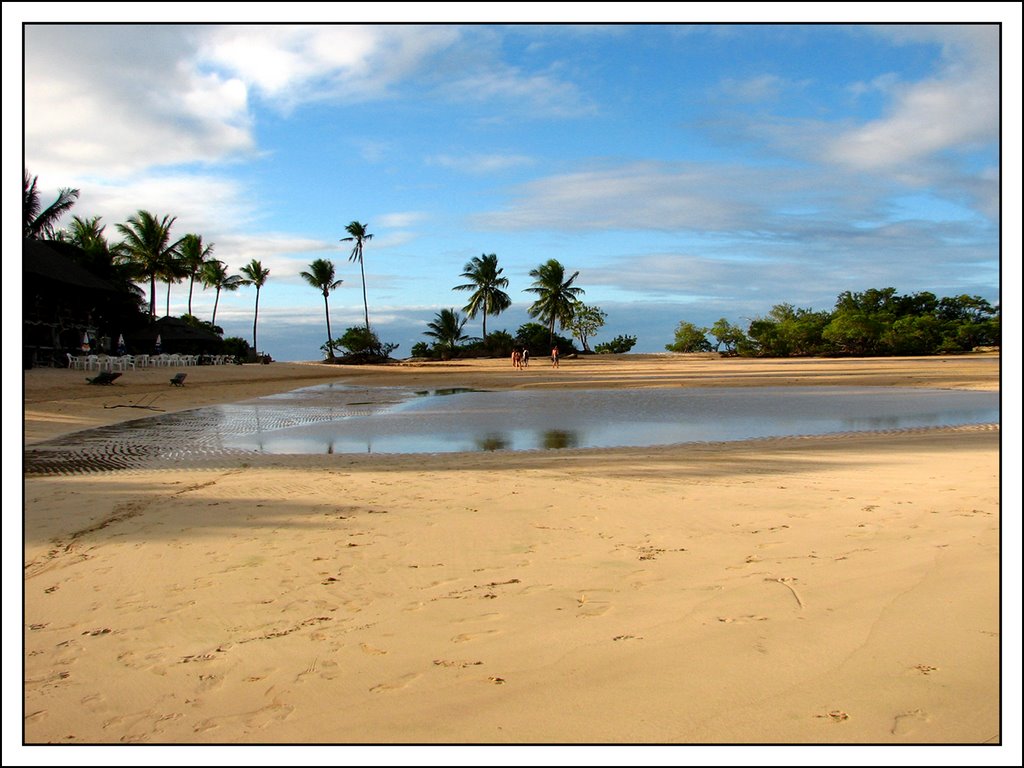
121	350
85	341
158	344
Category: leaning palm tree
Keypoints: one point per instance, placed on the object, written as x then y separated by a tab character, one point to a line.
256	275
214	274
446	330
359	235
321	275
555	295
148	248
486	283
41	224
193	255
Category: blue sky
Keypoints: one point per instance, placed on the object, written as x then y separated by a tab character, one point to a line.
687	171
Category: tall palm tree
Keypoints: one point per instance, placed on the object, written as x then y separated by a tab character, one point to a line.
555	295
321	275
256	275
358	234
486	283
214	274
446	329
147	246
193	254
41	224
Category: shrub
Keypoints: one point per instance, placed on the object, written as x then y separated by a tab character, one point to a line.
618	345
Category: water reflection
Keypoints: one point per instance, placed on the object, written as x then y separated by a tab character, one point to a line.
554	439
439	421
492	442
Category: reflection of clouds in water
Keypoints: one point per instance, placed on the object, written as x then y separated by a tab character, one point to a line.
340	420
439	421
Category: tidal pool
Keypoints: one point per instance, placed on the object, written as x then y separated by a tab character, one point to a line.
338	420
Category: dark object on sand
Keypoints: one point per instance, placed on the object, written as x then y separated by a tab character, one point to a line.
179	379
104	377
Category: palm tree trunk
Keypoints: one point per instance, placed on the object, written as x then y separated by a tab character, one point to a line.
255	317
152	295
327	313
216	300
366	306
167	310
191	284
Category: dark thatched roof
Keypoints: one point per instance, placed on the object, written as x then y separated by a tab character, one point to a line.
42	261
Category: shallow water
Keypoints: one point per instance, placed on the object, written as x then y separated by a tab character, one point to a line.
334	418
468	420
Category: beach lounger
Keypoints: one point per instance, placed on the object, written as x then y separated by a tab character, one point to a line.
179	379
104	377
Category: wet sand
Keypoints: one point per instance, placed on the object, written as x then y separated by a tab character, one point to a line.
832	590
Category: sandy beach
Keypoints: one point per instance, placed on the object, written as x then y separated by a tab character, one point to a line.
833	590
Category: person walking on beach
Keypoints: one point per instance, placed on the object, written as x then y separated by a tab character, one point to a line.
554	357
516	358
525	358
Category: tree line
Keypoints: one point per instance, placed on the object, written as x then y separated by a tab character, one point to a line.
868	323
147	253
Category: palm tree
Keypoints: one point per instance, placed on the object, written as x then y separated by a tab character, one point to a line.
147	246
214	274
256	275
359	235
321	275
555	295
486	283
193	254
41	224
446	328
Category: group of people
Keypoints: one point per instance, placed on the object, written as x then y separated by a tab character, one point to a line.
521	357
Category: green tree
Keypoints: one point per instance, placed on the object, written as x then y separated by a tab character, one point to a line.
193	254
321	276
555	295
214	274
488	286
148	248
585	322
727	334
617	346
689	338
446	330
362	345
536	338
40	224
358	236
256	275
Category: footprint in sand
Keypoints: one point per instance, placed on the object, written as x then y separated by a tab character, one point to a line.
905	722
394	685
470	636
925	669
741	619
371	650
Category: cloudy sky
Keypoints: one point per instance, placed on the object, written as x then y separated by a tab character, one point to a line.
687	171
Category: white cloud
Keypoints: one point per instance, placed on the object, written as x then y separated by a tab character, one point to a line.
480	163
957	110
635	196
114	100
402	219
766	87
293	64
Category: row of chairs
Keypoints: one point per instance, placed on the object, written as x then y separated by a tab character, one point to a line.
132	362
